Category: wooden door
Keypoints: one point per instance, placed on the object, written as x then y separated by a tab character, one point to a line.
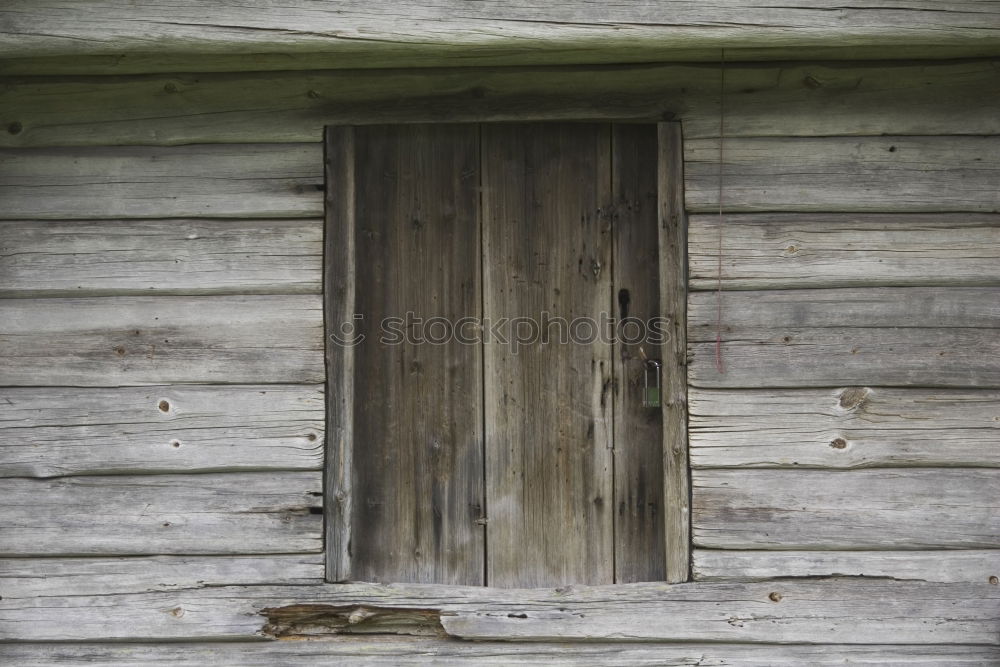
482	454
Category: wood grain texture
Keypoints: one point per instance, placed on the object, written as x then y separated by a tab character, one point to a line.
181	35
548	405
116	341
673	305
851	427
339	308
796	250
858	509
418	454
639	542
848	610
391	651
918	336
55	431
233	513
763	99
973	566
108	257
845	174
234	181
54	577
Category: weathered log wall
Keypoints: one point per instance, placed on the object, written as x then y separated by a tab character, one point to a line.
852	426
162	406
161	369
116	36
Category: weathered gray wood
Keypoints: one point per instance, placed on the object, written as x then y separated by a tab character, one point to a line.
858	509
339	308
53	431
547	249
391	651
885	307
233	513
69	258
639	541
673	305
795	250
904	357
113	341
852	427
417	463
865	98
234	181
182	35
917	336
845	174
952	566
47	577
854	610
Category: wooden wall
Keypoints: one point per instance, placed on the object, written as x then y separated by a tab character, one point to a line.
162	404
161	369
853	426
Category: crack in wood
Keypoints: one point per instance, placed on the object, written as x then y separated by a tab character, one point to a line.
298	621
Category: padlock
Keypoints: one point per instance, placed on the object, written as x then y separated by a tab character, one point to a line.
651	384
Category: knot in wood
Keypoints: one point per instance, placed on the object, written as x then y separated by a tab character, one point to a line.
853	397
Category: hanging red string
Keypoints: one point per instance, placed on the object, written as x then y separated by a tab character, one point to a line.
718	286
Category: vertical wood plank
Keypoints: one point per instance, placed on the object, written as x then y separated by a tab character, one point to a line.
338	302
417	408
673	304
548	406
638	432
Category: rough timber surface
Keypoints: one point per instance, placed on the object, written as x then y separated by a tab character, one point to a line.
946	566
845	174
116	341
392	651
51	37
762	99
232	513
791	611
185	256
56	431
847	427
547	249
229	181
54	577
416	424
926	508
802	250
905	337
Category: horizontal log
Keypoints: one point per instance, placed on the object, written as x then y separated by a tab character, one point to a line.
83	258
43	577
233	513
234	181
953	566
854	610
916	336
867	98
182	35
852	427
844	174
392	651
796	250
54	431
116	341
858	509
